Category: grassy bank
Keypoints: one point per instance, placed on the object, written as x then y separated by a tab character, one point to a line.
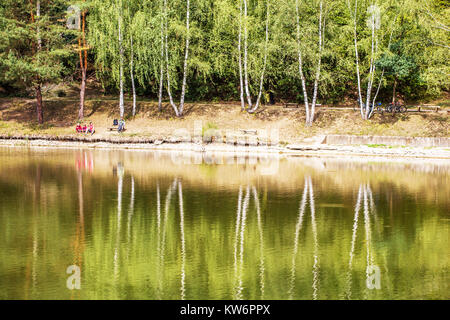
17	117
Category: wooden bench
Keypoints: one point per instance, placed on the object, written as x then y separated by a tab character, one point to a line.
291	105
116	129
250	131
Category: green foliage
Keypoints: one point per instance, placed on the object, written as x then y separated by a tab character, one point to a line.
413	46
23	63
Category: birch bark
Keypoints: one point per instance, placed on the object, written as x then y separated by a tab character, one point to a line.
258	100
319	64
241	80
121	62
300	62
161	75
133	87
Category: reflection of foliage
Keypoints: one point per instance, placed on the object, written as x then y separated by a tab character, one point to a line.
41	205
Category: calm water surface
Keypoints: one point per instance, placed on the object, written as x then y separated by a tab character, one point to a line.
149	225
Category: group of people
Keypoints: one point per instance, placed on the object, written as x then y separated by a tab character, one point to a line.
83	128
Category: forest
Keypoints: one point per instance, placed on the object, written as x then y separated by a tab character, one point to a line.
252	51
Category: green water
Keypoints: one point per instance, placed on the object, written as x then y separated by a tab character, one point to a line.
146	225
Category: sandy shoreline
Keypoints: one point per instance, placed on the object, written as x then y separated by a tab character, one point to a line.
289	150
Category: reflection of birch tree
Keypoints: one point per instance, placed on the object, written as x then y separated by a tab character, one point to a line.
120	173
307	196
183	243
366	203
162	234
239	240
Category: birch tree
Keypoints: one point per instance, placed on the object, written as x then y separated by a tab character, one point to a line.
373	23
243	33
178	109
310	112
121	59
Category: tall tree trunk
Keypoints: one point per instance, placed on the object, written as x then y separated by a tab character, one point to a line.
121	62
371	71
247	91
258	100
183	88
178	110
383	71
319	64
82	93
355	38
300	62
161	75
39	105
133	87
166	45
83	66
394	90
241	80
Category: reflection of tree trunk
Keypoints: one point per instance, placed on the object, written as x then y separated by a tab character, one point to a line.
365	199
261	242
298	228
131	209
239	265
308	194
119	217
316	242
162	246
236	234
183	244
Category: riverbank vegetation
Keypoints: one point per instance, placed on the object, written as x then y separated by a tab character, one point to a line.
313	52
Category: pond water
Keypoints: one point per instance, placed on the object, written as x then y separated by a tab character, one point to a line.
154	225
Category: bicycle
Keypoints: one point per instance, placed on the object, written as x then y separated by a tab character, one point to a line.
396	108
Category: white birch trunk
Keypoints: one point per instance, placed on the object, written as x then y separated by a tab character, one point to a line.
319	64
178	110
121	58
355	36
247	91
383	71
300	62
371	70
132	76
161	75
241	80
258	100
186	57
169	92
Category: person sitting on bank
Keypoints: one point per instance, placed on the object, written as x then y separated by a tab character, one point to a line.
121	125
78	128
91	128
84	130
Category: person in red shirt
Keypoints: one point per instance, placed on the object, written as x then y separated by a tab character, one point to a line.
78	128
84	128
